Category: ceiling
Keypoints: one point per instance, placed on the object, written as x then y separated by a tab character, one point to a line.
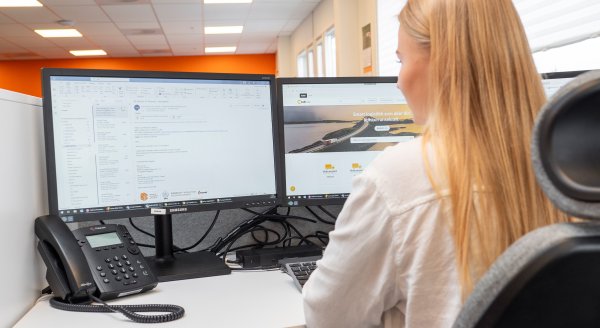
139	28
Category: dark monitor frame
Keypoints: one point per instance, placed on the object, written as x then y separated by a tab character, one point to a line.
174	208
335	199
561	75
166	265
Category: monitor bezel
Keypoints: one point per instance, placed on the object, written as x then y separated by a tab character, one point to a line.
251	201
311	80
562	75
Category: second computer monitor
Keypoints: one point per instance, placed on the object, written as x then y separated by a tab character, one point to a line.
332	128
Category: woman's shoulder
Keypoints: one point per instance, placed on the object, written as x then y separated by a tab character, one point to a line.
399	174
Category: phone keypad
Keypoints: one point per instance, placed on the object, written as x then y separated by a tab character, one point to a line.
125	273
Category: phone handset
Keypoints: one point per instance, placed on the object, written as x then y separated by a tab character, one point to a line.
71	280
68	272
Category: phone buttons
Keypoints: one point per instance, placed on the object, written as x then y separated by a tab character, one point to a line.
111	266
102	274
106	281
118	278
116	258
133	250
107	260
114	271
119	264
99	268
126	276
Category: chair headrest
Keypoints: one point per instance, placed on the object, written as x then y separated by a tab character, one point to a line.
566	147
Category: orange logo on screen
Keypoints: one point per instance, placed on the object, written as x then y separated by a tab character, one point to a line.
144	196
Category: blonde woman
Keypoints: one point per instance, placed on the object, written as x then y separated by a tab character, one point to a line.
428	217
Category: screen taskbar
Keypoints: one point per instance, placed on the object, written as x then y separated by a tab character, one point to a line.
162	208
315	199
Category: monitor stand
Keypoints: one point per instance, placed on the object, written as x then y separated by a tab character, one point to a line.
168	266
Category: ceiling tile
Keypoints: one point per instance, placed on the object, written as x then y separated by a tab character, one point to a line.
224	39
7	46
190	27
6	20
261	26
73	43
120	49
137	25
228	11
252	48
93	29
178	12
279	10
177	1
184	39
51	52
188	49
106	41
148	41
16	30
84	14
67	2
130	13
30	41
121	27
30	15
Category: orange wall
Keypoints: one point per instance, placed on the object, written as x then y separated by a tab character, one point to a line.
25	76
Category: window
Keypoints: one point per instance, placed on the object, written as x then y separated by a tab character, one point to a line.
320	66
387	40
301	67
560	32
311	63
330	61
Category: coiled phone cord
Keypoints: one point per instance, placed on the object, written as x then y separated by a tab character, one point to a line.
129	311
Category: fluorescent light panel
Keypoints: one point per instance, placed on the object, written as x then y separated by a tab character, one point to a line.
59	33
219	49
20	3
223	29
227	1
98	52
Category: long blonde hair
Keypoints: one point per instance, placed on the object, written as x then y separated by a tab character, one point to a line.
484	95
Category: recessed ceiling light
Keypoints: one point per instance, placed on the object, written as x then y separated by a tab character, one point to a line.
223	29
59	33
98	52
20	3
227	1
219	49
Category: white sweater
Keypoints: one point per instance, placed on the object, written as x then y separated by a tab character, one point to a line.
390	260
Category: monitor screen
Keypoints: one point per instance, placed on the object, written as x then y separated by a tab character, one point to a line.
134	143
332	129
552	82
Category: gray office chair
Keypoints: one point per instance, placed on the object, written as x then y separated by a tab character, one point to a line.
551	276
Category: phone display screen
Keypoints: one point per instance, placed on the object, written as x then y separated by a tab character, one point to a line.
104	239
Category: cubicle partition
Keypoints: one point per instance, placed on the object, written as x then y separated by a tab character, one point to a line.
23	198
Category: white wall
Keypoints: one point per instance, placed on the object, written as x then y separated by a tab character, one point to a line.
348	17
23	196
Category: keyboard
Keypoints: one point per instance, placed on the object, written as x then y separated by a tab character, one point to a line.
299	268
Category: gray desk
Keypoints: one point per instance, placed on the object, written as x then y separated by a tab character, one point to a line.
242	299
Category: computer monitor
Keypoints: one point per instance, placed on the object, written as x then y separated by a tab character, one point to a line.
332	129
555	80
123	144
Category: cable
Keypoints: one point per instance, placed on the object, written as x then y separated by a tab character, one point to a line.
205	233
327	212
140	229
318	217
130	311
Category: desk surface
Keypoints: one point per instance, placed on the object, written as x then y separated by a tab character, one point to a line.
242	299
